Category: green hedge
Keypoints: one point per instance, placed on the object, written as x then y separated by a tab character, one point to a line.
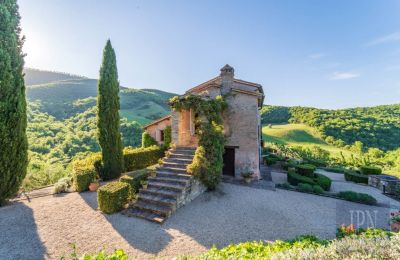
305	187
289	164
112	197
355	177
319	179
318	189
134	180
316	163
270	161
83	173
370	170
357	197
306	170
139	158
147	140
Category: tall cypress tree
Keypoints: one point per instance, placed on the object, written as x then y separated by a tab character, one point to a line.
108	116
13	140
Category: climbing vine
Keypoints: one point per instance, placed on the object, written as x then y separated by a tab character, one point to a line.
208	162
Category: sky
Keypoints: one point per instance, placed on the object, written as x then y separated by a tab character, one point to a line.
326	54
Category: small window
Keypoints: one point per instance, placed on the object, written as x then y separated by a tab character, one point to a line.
162	135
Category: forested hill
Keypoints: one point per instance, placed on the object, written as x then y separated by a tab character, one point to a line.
63	96
374	126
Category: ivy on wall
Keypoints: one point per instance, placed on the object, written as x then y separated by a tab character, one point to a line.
208	161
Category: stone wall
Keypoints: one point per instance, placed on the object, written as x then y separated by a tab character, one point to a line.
154	130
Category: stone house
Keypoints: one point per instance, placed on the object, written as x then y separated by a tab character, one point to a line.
242	122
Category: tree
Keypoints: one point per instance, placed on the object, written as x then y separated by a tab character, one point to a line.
108	116
13	120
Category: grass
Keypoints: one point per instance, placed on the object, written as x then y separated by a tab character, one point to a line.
299	135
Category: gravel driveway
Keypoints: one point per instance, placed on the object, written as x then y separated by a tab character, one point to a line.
44	227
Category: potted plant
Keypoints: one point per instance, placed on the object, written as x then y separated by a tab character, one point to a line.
94	185
247	176
395	221
144	184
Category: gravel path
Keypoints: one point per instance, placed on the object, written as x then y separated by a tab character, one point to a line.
44	227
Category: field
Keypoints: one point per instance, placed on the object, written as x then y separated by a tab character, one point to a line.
298	135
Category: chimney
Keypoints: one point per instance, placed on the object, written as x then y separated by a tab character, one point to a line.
227	74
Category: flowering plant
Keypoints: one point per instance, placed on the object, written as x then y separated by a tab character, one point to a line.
344	231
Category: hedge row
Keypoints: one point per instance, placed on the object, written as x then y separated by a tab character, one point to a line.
319	179
113	196
370	170
357	197
84	172
306	170
139	158
134	181
355	177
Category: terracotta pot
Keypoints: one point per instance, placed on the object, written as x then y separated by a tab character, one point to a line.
395	226
94	186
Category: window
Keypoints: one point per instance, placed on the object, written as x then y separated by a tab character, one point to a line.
162	135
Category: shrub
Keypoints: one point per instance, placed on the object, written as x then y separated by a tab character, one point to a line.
295	179
167	137
305	187
270	161
319	179
318	189
335	169
62	185
83	173
357	197
289	164
147	140
306	170
139	158
355	177
370	170
316	162
133	180
323	181
112	197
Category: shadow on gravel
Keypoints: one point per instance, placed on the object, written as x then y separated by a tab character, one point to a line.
19	238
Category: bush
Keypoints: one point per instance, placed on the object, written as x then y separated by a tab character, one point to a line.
323	181
335	169
319	179
139	158
62	185
83	173
355	177
270	161
289	164
357	197
147	140
316	162
306	170
112	197
167	137
305	187
318	189
133	180
370	170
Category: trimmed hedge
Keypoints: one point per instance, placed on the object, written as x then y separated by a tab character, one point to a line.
355	177
357	197
305	187
134	181
270	160
83	173
113	196
316	162
139	158
321	180
318	189
370	170
289	164
306	170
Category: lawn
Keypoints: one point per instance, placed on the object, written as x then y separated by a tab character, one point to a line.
298	135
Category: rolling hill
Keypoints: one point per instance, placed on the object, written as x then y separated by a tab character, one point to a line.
63	96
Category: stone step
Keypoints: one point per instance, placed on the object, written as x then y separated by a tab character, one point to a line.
175	165
180	156
171	169
185	152
164	211
173	175
157	199
182	148
174	181
160	191
144	214
177	160
164	185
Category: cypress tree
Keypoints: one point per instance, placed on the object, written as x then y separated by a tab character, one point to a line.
13	140
108	116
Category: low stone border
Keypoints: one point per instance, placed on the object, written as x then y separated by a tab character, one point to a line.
279	186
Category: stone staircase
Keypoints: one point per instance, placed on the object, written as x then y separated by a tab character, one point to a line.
169	190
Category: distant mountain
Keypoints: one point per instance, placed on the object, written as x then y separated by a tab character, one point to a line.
64	95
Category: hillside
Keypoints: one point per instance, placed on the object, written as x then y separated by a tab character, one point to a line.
63	96
377	127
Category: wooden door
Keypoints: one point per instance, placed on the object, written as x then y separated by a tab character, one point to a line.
229	162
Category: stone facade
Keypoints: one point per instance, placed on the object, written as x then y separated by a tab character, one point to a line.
242	123
156	128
